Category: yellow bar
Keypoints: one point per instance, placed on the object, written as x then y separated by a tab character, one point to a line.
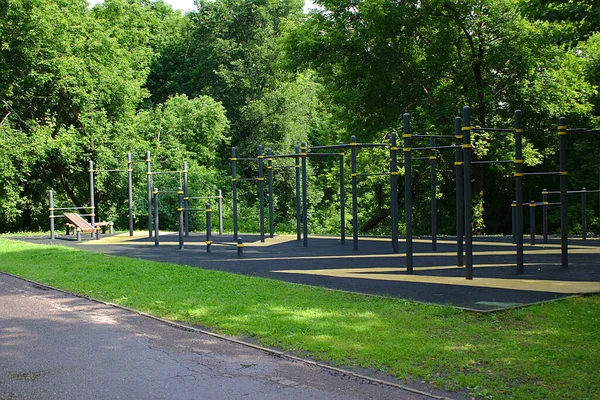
234	159
518	130
518	175
466	128
459	136
467	146
406	149
207	210
394	173
564	173
432	157
518	161
261	179
458	163
406	135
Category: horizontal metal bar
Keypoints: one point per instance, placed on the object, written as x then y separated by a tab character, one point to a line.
333	146
246	179
283	166
246	159
70	208
374	174
492	162
205	197
541	173
284	156
571	191
434	136
435	147
475	128
165	172
322	154
109	170
370	145
583	130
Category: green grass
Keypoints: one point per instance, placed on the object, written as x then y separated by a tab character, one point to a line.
547	351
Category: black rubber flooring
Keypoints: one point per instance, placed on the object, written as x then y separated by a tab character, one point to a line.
374	269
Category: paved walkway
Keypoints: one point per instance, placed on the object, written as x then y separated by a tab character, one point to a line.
55	345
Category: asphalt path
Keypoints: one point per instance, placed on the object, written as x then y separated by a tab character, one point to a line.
54	345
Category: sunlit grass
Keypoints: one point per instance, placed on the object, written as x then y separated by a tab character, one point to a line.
539	352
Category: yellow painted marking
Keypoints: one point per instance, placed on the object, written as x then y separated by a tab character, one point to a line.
495	283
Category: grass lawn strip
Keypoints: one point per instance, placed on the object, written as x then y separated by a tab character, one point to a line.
547	351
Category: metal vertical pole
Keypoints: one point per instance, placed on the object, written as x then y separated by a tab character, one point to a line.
408	193
234	193
354	194
180	210
467	148
394	190
51	210
156	223
458	163
298	212
261	194
220	205
532	222
303	156
519	190
208	227
583	215
149	181
186	205
130	191
513	207
270	177
544	215
342	199
433	190
92	199
564	222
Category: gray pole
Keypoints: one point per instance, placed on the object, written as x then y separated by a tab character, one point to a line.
564	222
394	190
261	194
342	199
92	199
303	155
583	215
298	212
149	180
408	193
433	190
156	223
220	205
354	194
532	222
130	191
208	228
51	210
458	163
180	211
186	214
467	147
270	177
234	193
545	215
519	190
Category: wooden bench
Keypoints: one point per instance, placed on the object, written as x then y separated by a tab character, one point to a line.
84	225
79	224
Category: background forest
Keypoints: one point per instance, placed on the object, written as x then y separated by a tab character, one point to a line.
80	83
